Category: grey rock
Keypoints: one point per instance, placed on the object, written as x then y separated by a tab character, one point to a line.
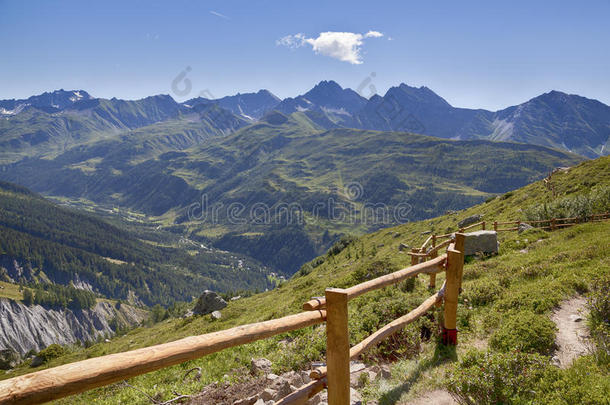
385	372
36	361
216	315
305	377
523	251
283	389
555	361
294	379
260	401
354	397
355	366
575	318
209	302
525	227
402	247
268	394
9	358
473	219
272	377
481	242
260	366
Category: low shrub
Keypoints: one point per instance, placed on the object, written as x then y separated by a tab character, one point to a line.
585	383
538	301
369	271
598	302
524	331
51	352
583	205
482	291
482	378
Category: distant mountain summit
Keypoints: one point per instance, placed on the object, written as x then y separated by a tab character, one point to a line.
554	119
326	96
557	119
49	102
248	105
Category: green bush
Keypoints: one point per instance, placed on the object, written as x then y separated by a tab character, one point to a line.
373	270
51	352
497	378
538	301
524	331
482	291
598	302
583	205
584	383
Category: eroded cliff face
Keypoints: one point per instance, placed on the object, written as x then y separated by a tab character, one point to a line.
24	328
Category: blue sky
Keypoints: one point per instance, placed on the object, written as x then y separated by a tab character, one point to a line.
474	54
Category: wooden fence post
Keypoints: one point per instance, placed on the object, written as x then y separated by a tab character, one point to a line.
552	224
460	238
337	347
414	259
496	226
435	254
455	264
483	225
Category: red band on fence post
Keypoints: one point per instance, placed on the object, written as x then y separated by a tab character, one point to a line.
449	337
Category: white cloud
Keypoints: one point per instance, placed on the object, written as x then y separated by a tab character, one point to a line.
344	46
292	41
373	34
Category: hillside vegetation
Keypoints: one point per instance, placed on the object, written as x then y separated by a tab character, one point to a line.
43	243
533	273
312	184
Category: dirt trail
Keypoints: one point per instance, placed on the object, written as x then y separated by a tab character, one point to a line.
572	333
436	397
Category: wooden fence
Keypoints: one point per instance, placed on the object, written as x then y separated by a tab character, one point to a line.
73	378
431	245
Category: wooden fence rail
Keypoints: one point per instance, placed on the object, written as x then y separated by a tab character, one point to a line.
73	378
553	223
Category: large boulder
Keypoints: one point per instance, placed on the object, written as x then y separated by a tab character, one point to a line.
209	302
473	219
481	242
8	359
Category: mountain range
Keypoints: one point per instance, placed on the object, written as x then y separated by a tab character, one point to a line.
157	157
53	122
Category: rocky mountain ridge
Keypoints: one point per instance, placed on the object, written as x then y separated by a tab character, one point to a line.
24	328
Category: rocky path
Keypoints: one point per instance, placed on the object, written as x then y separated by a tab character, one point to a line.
436	397
572	333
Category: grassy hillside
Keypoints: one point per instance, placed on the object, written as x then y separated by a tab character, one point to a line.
532	274
54	244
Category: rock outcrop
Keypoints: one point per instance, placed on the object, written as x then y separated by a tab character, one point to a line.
209	302
24	328
473	219
481	242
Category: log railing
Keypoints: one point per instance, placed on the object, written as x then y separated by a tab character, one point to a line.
73	378
430	244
